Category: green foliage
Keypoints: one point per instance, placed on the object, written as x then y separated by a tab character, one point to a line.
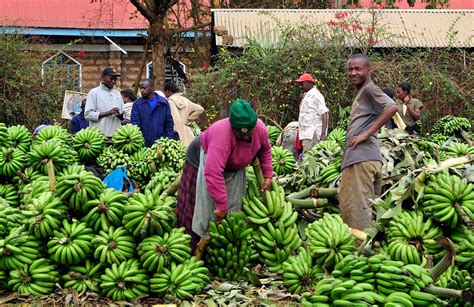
264	72
27	98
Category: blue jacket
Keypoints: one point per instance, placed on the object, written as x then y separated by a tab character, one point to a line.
155	123
78	123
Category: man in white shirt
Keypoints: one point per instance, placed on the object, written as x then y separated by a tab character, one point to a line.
104	107
314	115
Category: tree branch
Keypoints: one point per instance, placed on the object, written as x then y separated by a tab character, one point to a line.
181	30
142	9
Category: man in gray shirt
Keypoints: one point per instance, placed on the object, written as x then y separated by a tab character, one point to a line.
104	107
362	161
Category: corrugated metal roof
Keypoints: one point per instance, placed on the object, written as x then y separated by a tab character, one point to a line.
408	28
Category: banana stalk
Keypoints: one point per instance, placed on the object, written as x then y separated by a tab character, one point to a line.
258	172
51	175
451	293
315	192
447	260
308	203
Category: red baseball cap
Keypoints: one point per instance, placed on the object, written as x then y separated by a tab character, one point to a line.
305	77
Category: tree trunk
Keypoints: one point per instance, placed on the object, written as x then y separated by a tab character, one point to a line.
157	39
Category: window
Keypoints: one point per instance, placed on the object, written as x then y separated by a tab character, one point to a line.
170	73
65	67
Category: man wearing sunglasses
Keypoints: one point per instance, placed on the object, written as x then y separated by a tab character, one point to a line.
104	107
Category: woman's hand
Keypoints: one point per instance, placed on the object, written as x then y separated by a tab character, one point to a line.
219	215
267	183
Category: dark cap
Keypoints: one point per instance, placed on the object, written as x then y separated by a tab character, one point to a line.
109	71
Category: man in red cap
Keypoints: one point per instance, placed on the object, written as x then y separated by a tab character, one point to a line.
313	117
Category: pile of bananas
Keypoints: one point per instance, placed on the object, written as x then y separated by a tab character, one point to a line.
125	281
299	273
149	214
276	236
12	161
463	239
89	143
159	252
326	148
111	158
114	246
84	277
44	214
34	189
71	244
329	240
460	280
449	200
182	280
10	217
128	139
459	150
229	251
273	134
410	237
53	132
24	177
56	150
77	188
437	138
38	278
106	211
283	161
338	135
17	249
450	125
330	173
19	137
169	153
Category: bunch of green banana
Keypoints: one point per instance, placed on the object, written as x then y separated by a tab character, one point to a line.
125	281
283	161
445	278
394	276
169	153
8	192
194	128
141	167
53	132
157	252
228	250
84	277
357	268
338	135
128	139
273	134
105	211
44	215
162	180
114	245
463	239
299	274
409	237
54	150
10	217
149	214
77	189
4	140
34	189
450	125
448	200
12	161
89	143
72	169
459	150
71	244
438	138
110	158
18	248
20	137
4	278
329	240
326	148
460	280
330	173
26	176
182	280
38	278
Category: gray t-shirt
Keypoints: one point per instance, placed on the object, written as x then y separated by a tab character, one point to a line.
370	102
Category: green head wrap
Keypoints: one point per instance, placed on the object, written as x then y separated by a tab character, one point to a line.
242	116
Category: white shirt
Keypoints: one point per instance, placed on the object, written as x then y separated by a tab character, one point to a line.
310	120
128	107
102	99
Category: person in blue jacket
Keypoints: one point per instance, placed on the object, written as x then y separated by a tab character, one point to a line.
79	122
152	114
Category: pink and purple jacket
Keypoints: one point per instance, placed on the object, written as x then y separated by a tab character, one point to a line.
224	153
